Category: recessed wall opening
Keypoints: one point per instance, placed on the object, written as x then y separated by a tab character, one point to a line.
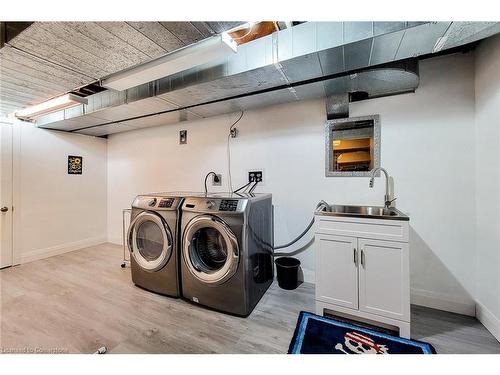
353	146
352	154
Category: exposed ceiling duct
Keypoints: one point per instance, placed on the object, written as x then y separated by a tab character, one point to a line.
337	106
313	59
395	78
49	59
202	52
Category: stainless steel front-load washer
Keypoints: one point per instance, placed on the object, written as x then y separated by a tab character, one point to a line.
153	240
227	250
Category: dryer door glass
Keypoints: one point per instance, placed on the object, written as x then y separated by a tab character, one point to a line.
150	241
210	249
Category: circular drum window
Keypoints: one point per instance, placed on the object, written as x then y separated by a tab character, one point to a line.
210	249
150	241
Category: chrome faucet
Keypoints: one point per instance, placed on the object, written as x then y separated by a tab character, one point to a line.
387	199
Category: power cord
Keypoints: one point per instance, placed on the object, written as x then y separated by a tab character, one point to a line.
241	188
233	132
216	179
253	187
245	187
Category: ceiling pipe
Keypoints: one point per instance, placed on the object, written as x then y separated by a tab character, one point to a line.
313	59
337	106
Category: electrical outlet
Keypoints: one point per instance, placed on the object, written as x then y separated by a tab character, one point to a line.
255	176
217	180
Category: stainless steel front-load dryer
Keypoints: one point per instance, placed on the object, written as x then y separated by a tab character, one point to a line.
227	250
152	241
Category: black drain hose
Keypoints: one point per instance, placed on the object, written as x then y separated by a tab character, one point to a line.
320	206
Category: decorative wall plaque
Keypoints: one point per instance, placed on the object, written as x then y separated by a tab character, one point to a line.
75	164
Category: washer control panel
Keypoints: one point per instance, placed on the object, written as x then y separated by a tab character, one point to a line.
215	204
228	205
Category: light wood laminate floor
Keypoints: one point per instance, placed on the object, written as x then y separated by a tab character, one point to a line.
80	301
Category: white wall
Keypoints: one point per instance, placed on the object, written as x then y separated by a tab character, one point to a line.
427	145
487	89
56	212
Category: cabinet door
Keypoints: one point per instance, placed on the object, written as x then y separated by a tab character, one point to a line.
337	271
384	286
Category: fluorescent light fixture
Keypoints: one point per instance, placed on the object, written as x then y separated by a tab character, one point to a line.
185	58
52	105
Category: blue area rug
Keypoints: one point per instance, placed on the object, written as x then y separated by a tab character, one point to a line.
318	335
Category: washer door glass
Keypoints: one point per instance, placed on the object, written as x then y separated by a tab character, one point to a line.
150	241
210	249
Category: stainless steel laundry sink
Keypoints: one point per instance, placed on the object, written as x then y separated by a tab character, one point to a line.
374	212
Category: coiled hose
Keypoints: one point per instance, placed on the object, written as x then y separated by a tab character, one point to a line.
320	206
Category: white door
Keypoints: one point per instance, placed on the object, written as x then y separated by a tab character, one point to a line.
337	270
5	195
384	278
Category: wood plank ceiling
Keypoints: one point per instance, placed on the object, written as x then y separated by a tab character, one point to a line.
51	58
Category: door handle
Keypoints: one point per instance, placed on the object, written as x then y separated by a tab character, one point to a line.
362	258
4	209
355	256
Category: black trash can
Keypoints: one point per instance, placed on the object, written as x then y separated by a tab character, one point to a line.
287	269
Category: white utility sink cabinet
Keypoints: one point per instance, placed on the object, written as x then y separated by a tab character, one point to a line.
362	270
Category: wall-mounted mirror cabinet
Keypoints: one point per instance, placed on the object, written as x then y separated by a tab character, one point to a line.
352	146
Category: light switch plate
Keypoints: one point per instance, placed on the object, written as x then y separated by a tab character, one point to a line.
183	134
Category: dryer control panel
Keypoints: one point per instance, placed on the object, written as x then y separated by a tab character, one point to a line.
166	202
157	203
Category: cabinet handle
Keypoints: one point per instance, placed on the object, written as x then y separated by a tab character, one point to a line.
355	256
362	258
